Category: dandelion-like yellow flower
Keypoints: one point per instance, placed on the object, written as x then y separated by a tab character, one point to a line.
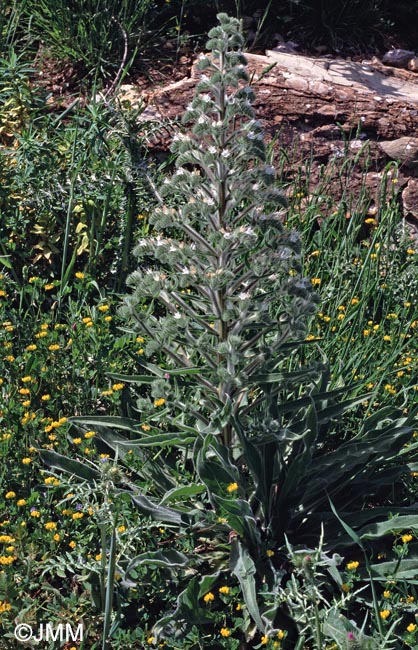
281	634
79	275
352	566
72	544
315	281
264	640
159	402
406	538
89	434
5	607
225	632
10	494
386	594
411	628
50	525
103	307
26	461
207	598
53	347
384	614
21	502
224	590
232	487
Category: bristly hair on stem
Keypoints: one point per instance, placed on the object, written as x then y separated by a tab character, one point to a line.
219	258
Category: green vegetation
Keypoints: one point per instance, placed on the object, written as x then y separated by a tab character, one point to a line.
210	443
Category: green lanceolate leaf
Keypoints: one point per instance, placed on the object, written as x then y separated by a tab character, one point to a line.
65	464
398	523
167	558
180	493
126	424
242	566
158	512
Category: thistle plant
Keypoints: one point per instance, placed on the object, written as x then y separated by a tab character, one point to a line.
227	294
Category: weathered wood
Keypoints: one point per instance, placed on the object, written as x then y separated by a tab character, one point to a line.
329	108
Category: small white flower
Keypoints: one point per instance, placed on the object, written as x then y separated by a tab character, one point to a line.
225	153
216	124
206	98
177	315
201	119
185	270
244	295
212	149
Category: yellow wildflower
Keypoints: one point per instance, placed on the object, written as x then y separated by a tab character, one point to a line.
207	598
232	487
352	566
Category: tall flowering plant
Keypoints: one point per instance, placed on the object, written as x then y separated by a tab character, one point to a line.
243	430
223	273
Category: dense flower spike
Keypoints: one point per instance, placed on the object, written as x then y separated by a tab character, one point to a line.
220	258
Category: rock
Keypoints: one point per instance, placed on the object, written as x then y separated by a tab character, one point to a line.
413	64
410	199
398	58
404	149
